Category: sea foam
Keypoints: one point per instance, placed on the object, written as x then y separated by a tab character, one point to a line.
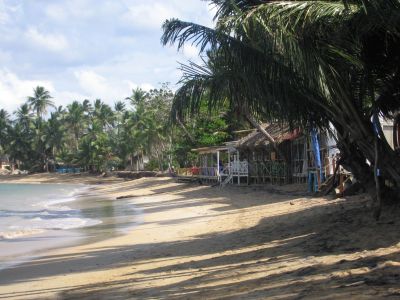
33	209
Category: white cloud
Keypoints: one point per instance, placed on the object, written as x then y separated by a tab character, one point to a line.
14	91
56	12
92	83
66	97
52	42
144	86
150	15
3	14
109	90
5	57
7	11
90	49
190	52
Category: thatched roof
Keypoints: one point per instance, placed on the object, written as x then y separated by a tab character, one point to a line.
279	133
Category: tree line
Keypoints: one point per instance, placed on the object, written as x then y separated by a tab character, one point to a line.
97	137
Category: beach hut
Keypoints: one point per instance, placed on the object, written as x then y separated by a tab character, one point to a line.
266	164
218	164
302	156
208	167
4	163
297	157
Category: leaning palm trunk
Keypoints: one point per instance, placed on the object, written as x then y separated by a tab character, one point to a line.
257	125
369	147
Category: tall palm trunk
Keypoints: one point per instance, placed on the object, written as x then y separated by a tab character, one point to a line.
354	152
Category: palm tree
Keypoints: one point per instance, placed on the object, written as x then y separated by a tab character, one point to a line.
120	110
53	136
5	124
75	120
309	63
24	116
119	107
20	144
95	148
138	97
40	101
103	113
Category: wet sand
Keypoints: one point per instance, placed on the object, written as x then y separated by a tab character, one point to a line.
199	242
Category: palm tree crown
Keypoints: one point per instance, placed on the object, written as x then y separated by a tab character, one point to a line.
40	101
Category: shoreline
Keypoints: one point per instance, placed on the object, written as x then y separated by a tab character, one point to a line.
203	242
30	246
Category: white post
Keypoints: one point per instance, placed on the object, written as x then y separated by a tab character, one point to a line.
238	166
210	165
218	166
229	162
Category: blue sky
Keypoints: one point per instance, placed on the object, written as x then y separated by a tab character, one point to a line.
88	49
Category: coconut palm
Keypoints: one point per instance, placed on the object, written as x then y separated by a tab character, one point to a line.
54	133
138	97
119	106
309	63
5	124
75	120
40	101
120	112
103	113
24	116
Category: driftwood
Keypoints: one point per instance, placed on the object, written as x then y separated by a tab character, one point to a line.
333	178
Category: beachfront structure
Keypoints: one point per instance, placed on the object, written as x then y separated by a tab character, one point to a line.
303	156
307	157
138	162
219	164
5	163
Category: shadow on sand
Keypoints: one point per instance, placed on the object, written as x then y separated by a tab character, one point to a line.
284	256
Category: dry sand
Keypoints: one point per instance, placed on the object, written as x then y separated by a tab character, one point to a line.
200	242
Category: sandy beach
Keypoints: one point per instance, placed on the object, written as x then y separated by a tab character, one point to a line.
201	242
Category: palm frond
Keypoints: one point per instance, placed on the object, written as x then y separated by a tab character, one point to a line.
176	31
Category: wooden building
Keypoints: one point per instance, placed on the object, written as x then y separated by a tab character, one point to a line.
252	159
297	161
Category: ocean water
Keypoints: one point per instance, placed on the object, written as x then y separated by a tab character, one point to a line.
27	209
35	218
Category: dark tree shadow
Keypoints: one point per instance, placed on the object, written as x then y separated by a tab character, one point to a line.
269	252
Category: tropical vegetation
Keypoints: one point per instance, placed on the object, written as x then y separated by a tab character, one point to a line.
134	134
